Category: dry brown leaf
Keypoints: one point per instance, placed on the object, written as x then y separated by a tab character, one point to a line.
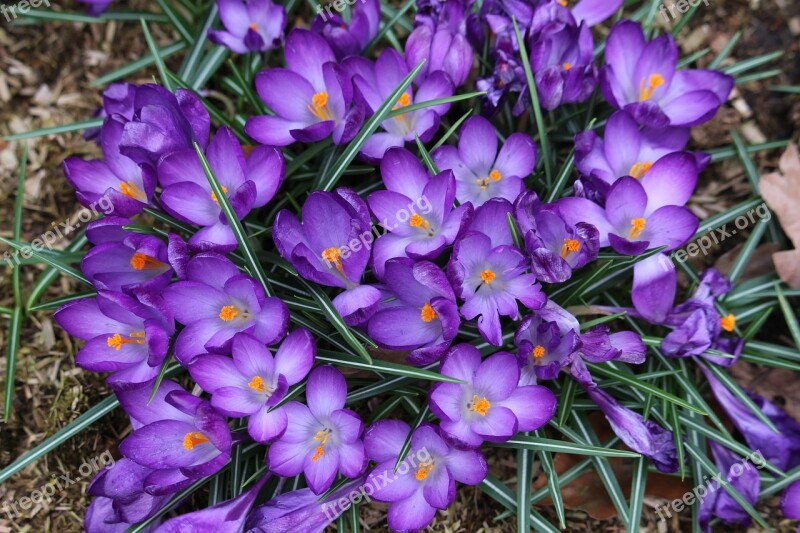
781	191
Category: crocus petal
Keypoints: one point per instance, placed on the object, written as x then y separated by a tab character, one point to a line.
655	283
325	391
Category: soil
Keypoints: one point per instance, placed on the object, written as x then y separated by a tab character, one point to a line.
45	80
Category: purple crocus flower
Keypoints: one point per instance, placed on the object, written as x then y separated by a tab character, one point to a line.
481	172
253	381
115	178
226	516
507	77
642	214
163	122
375	83
562	56
440	39
126	335
422	314
547	341
252	25
249	184
96	7
640	77
790	501
125	261
781	448
117	99
627	150
179	436
120	499
642	436
489	405
215	302
719	503
331	246
416	210
491	280
425	479
555	247
321	439
311	97
302	510
592	12
348	39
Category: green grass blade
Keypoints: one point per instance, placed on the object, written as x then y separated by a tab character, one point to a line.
789	315
561	446
430	103
57	130
386	367
495	489
135	66
553	483
524	481
638	486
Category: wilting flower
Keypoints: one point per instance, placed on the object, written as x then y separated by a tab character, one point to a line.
128	336
555	247
417	210
253	381
249	184
179	436
642	214
375	83
744	479
348	39
491	280
781	448
125	261
226	516
311	97
120	499
301	510
419	311
425	479
547	340
562	56
481	172
331	246
115	179
215	302
642	436
162	123
321	439
441	41
641	78
490	405
252	25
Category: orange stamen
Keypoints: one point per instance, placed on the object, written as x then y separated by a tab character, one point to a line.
192	439
428	313
538	351
728	323
116	341
567	66
479	405
487	276
331	255
214	195
229	312
254	27
637	227
424	469
322	437
141	261
257	384
131	190
640	169
495	175
319	106
417	221
654	81
569	246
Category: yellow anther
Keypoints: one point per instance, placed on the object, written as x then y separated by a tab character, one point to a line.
322	437
254	27
423	471
728	322
257	384
570	246
214	195
637	227
319	106
487	276
567	66
479	405
141	261
131	190
331	255
495	175
639	169
428	313
192	439
116	341
229	312
654	81
403	101
538	352
416	221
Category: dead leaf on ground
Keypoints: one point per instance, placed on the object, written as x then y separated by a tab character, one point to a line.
781	191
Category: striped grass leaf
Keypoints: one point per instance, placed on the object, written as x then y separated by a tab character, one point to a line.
57	130
561	446
524	480
638	487
788	315
436	101
159	61
192	60
553	483
451	130
51	273
404	449
55	303
495	489
395	369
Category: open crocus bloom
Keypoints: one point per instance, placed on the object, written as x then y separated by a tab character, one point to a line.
481	172
125	335
177	435
547	341
416	210
253	381
321	439
115	180
252	26
349	39
125	261
215	302
331	246
187	193
419	312
425	479
490	405
640	77
375	83
642	214
491	280
311	97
